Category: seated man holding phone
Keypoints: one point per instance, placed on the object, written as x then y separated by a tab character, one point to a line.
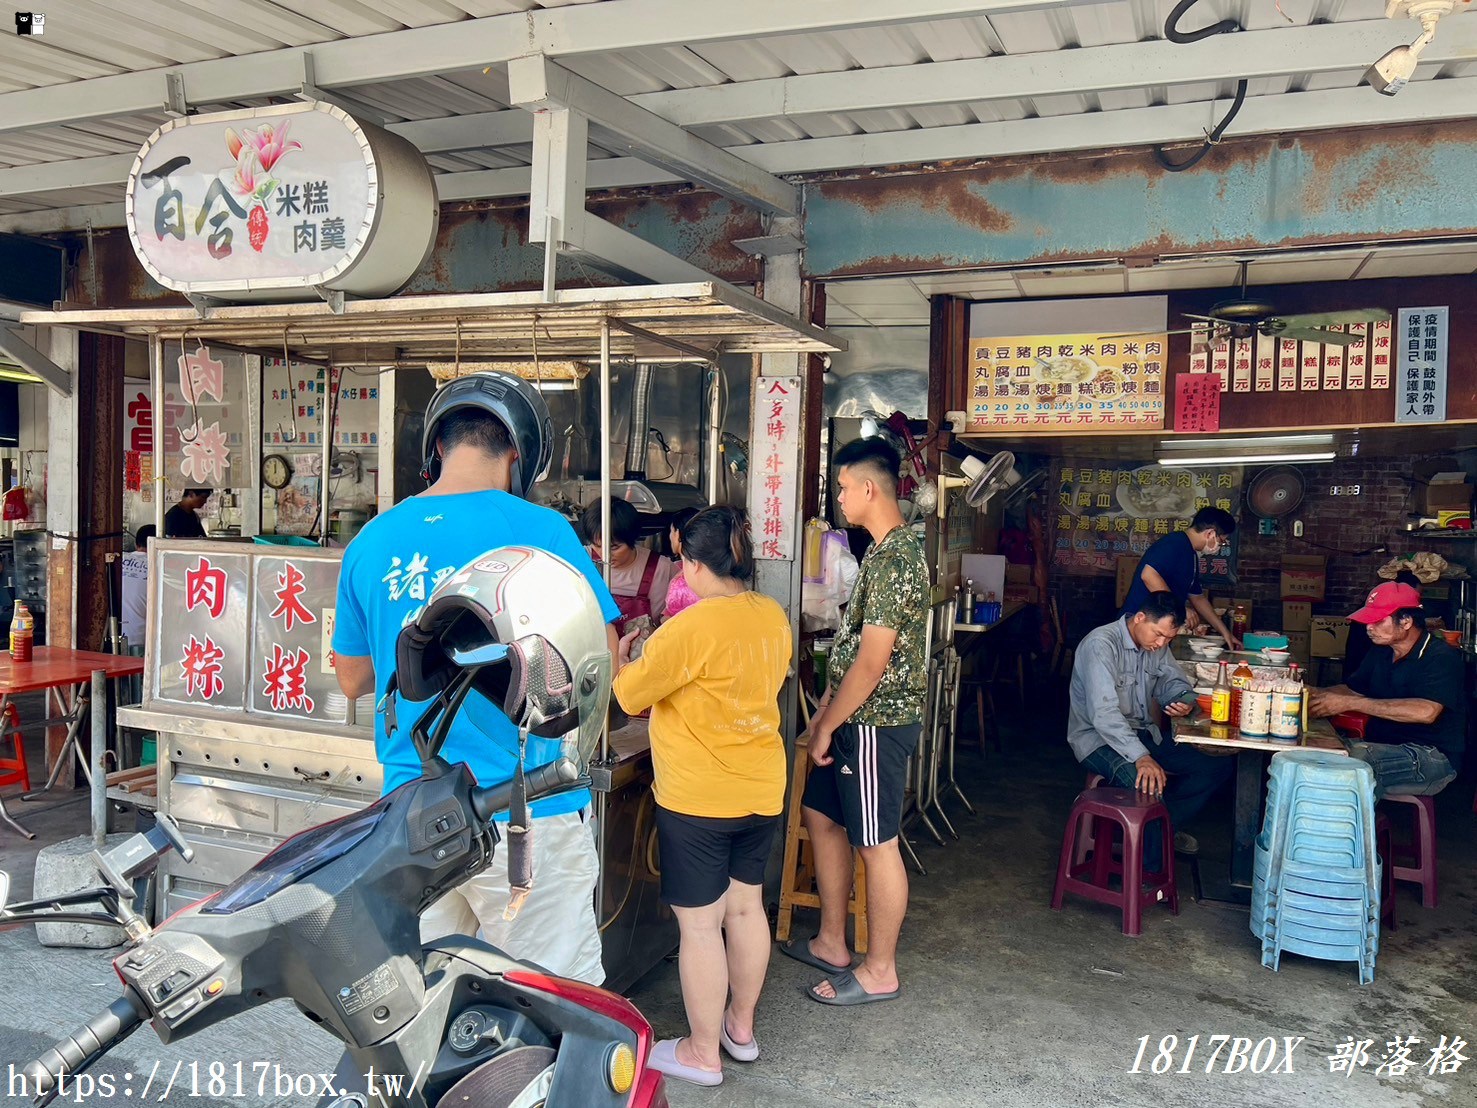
1121	671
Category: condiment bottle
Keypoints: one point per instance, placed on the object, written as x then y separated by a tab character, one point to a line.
22	633
1220	698
1241	679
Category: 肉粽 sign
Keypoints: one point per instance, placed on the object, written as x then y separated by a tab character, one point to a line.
265	203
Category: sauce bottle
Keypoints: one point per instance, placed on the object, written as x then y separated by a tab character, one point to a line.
1241	679
1220	698
22	633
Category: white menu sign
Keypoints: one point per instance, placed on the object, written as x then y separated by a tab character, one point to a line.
774	469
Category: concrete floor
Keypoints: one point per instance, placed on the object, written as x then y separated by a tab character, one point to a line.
1005	1002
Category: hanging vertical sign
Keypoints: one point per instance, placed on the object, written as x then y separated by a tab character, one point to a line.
1420	378
1220	362
1266	363
1381	336
1242	366
1200	348
1312	372
1356	357
1333	364
775	432
1287	365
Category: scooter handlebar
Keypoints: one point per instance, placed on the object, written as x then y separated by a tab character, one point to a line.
557	776
71	1054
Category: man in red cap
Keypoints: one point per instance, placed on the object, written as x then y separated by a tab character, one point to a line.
1412	686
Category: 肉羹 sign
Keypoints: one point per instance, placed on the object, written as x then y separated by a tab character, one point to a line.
266	203
1066	382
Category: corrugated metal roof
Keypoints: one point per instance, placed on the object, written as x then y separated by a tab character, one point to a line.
86	39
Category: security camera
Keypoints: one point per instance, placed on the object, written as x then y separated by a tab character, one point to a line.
1392	72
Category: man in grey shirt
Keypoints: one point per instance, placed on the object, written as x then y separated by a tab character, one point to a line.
1121	671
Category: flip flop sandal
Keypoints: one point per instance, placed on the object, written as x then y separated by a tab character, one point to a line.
739	1052
664	1060
799	949
849	992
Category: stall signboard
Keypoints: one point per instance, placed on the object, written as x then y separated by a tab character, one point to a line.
1067	383
774	469
254	204
289	677
201	639
1421	342
246	633
1106	510
293	407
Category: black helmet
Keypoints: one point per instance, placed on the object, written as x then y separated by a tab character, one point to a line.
512	400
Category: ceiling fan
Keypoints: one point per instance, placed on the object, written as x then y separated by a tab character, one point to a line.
1242	316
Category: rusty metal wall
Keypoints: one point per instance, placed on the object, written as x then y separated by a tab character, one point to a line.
483	247
1253	194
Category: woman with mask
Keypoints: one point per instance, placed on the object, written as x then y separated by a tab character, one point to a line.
639	576
711	676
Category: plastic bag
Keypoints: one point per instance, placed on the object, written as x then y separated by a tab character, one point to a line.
821	601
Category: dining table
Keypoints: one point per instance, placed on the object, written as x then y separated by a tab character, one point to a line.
1252	752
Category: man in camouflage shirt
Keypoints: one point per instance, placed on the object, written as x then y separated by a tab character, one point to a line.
863	733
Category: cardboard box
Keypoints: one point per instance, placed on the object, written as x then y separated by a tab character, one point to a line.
1330	636
1298	643
1446	492
1304	576
1128	565
1296	615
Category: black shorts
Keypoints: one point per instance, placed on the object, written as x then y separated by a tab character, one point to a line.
700	855
862	789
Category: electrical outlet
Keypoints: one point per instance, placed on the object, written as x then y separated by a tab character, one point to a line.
1297	528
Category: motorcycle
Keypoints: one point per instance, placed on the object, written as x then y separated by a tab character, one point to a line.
330	920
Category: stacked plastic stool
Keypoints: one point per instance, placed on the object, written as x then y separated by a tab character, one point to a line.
1316	882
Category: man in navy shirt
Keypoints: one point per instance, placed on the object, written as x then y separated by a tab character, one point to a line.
1172	565
482	466
1413	688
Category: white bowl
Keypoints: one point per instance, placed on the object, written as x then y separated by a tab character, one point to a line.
1276	655
1209	653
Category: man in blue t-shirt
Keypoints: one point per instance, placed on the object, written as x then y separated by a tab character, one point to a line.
389	572
1172	565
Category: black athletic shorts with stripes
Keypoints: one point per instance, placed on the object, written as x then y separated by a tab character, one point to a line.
862	789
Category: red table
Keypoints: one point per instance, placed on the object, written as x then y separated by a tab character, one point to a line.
65	676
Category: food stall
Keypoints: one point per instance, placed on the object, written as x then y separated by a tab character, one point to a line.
255	740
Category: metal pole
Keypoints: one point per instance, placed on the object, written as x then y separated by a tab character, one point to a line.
156	388
604	441
715	432
330	396
99	710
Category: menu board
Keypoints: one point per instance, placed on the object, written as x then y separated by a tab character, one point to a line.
291	598
1067	382
1107	509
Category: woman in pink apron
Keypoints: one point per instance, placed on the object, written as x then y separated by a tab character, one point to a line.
639	576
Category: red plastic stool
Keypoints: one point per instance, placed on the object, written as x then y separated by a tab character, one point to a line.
1383	847
1421	853
1083	850
14	769
1133	813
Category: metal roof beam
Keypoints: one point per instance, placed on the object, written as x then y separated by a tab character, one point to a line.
33	360
73	173
1279	52
538	84
472	44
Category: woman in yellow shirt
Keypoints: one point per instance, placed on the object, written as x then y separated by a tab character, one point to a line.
711	676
